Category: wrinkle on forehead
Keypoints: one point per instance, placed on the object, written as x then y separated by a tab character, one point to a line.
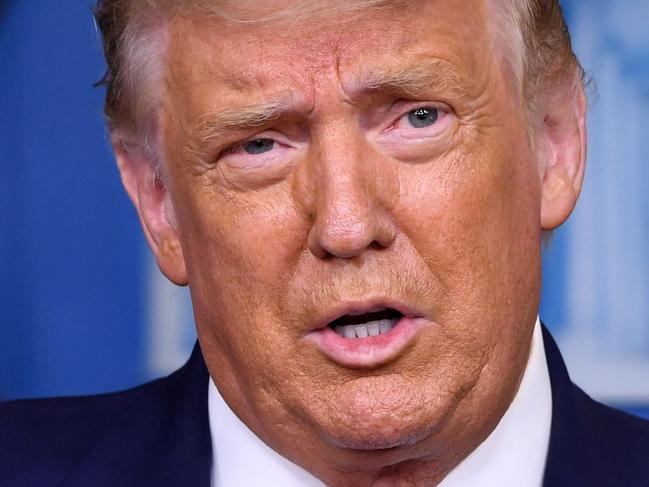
270	11
315	39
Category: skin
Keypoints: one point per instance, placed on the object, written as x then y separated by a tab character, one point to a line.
353	203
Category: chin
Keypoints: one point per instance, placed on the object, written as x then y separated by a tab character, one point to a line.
383	419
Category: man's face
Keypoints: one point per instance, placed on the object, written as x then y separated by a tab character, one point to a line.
369	163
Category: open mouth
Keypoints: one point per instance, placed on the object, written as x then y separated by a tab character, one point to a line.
366	325
367	334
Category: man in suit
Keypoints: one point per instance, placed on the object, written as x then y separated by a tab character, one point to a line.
356	194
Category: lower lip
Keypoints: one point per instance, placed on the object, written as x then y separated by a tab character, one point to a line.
370	352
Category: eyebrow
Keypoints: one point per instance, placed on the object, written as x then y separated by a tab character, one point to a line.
412	80
217	124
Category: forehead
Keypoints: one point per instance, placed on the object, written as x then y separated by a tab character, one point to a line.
214	57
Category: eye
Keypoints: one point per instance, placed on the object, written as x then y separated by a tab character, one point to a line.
418	130
258	146
269	148
419	121
423	117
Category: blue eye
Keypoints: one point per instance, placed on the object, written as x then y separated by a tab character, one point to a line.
259	146
423	117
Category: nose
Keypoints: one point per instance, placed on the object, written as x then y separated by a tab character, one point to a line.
352	200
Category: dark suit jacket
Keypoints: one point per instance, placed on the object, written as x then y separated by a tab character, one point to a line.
158	435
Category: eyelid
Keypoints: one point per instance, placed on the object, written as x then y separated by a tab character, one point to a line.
411	106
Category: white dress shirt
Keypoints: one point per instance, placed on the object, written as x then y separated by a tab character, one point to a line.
514	454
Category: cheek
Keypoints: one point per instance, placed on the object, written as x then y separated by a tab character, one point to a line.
252	239
473	217
241	252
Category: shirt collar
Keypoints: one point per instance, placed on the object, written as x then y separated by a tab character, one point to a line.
513	454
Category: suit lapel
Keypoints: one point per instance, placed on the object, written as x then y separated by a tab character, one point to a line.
564	460
161	440
187	456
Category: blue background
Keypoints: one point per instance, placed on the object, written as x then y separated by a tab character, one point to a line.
80	298
70	249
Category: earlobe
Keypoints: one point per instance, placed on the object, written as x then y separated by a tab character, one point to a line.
564	134
559	198
151	200
171	261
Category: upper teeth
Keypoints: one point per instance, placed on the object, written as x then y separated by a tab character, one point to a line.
371	328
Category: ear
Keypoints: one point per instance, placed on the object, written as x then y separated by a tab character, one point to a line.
564	134
153	205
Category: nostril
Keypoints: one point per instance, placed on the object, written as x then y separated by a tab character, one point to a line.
376	245
344	245
333	242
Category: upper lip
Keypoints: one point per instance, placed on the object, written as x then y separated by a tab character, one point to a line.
364	306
